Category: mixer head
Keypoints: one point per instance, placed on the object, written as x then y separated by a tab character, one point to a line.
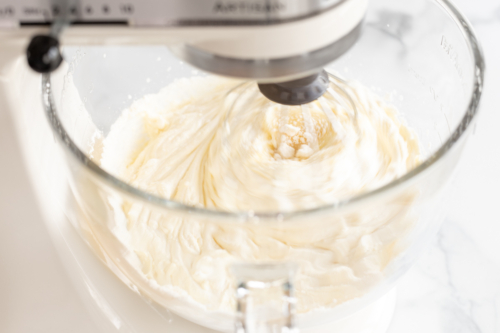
267	41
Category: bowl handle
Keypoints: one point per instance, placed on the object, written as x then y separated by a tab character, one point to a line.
265	298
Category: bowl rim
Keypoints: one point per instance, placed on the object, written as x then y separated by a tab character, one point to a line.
462	127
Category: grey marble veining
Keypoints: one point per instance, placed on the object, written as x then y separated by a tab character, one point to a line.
453	288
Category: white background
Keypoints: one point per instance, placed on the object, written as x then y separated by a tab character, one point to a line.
454	288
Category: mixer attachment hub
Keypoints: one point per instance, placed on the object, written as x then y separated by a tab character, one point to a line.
297	92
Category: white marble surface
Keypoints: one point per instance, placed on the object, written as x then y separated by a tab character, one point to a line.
454	287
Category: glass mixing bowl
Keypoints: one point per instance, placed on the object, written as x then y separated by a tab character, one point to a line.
420	54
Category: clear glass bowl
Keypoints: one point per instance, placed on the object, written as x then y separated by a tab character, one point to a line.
421	54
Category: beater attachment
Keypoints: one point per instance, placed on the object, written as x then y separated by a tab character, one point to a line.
301	117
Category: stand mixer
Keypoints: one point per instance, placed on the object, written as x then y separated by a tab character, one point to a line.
255	42
284	46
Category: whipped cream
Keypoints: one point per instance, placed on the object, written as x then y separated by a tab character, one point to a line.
183	145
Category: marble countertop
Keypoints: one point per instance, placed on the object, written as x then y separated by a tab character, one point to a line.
454	287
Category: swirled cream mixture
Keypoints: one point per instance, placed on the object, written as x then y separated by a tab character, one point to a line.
265	157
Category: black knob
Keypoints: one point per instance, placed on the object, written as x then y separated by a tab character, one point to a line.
43	54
